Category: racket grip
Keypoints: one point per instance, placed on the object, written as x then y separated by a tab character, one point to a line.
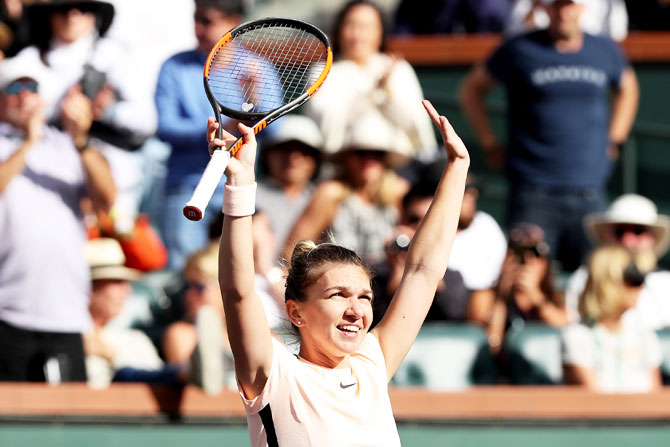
195	208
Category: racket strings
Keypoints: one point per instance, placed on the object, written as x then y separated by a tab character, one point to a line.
296	77
266	67
284	54
278	58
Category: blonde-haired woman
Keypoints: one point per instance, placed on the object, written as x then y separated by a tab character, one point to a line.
612	351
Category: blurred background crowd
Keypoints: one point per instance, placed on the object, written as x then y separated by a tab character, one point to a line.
102	141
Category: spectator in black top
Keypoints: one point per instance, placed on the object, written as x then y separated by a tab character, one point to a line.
452	297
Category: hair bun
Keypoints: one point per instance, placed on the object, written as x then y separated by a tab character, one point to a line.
302	247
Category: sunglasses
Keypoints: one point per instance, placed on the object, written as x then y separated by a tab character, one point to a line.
368	153
203	20
413	218
17	87
621	230
198	286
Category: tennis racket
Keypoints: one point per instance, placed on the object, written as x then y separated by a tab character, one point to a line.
257	72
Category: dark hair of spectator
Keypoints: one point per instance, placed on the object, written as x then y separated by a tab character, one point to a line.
335	35
228	7
423	189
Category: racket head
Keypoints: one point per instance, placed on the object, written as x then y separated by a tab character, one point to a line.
264	68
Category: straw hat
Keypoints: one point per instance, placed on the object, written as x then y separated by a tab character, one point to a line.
107	261
374	132
205	260
631	209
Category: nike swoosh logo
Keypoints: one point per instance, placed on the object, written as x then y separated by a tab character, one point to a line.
347	385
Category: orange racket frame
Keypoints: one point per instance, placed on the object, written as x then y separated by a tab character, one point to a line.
195	207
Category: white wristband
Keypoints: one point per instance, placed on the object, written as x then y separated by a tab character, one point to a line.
239	201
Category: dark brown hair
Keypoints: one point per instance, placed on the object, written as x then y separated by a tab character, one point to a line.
307	262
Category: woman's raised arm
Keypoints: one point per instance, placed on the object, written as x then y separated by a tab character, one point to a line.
428	255
248	331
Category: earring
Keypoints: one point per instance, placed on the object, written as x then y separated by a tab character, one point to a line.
299	322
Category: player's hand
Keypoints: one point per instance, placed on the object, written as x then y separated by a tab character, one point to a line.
455	147
240	170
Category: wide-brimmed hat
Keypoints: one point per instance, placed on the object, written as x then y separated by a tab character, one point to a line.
15	68
39	13
107	261
373	132
294	128
205	260
631	209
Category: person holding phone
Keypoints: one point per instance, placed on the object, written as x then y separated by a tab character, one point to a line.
525	289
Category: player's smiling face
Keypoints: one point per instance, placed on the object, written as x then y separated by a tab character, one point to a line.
336	315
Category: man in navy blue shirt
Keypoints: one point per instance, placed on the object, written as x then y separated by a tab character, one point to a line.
562	134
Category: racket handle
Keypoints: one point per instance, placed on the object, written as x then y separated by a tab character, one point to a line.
195	208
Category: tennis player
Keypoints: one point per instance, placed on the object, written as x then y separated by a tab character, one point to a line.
335	391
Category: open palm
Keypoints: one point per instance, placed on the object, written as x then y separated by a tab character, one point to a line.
452	142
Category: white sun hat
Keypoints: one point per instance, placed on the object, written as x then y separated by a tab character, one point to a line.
14	68
294	128
372	131
631	209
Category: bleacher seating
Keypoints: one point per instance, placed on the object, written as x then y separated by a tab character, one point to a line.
447	357
664	337
532	354
153	304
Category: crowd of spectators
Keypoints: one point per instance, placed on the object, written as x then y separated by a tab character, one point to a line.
104	122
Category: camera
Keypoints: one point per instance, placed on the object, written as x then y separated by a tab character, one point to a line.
526	238
520	251
399	244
